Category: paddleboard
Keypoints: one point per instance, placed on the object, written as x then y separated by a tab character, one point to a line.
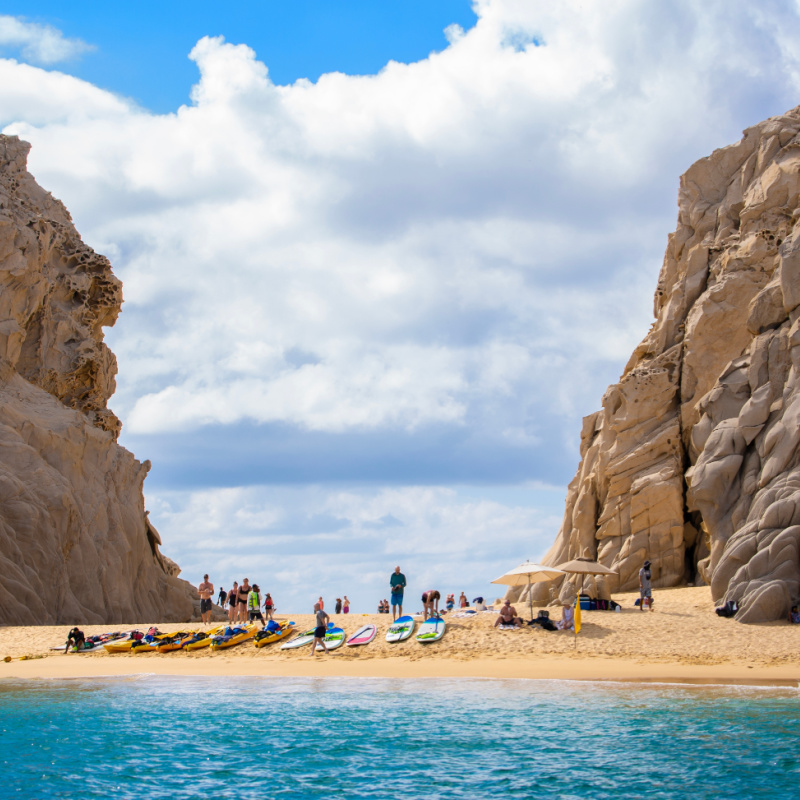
304	638
431	630
333	638
364	635
400	629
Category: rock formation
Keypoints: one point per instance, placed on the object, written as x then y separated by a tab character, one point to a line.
693	461
75	542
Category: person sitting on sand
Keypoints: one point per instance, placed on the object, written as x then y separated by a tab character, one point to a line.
75	639
508	616
567	622
430	603
794	616
322	620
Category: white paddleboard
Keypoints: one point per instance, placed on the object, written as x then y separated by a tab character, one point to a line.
333	638
304	638
364	635
400	629
431	630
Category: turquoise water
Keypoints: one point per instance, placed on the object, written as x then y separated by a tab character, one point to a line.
337	738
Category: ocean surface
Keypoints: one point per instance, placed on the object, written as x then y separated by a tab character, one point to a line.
245	738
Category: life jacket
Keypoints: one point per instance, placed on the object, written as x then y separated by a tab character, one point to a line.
253	601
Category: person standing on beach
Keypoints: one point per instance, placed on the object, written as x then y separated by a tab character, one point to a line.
338	608
206	589
244	594
322	620
269	606
254	606
233	600
346	606
645	586
397	582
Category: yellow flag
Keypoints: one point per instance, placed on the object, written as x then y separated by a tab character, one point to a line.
577	614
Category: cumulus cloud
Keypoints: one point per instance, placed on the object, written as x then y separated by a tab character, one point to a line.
41	44
357	536
471	240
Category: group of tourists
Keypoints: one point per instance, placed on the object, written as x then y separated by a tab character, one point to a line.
243	602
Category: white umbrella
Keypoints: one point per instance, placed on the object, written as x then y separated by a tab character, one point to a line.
585	566
528	573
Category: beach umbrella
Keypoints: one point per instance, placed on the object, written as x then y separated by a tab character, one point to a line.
528	573
585	566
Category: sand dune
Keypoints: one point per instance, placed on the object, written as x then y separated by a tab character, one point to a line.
681	640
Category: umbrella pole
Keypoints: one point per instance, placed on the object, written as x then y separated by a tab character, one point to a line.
530	599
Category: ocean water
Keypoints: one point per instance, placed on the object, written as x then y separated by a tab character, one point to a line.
259	738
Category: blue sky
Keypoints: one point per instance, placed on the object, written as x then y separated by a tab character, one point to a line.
379	258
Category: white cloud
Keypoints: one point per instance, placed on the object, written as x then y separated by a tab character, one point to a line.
472	239
300	543
41	44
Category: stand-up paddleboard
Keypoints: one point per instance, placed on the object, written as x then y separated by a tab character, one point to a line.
431	630
400	629
305	638
364	635
334	637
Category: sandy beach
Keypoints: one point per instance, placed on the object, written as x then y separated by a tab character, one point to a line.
682	640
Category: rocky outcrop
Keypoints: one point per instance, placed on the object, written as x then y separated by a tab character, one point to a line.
693	461
75	542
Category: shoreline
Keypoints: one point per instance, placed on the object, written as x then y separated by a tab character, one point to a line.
681	642
543	669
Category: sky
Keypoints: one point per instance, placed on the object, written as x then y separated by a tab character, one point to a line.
379	259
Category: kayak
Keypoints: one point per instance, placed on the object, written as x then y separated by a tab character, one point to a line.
233	636
202	638
175	642
152	644
182	640
266	637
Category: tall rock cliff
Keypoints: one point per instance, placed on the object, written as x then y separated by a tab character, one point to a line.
693	461
75	541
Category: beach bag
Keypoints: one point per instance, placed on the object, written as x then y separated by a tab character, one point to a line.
728	610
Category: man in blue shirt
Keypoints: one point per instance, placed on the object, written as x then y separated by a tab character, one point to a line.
397	582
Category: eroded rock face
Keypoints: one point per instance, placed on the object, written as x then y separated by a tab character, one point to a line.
694	460
75	542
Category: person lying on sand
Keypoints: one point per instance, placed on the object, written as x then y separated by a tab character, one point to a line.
508	616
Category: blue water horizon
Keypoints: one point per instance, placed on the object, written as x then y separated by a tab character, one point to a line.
266	737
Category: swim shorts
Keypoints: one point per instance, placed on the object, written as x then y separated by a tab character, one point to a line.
319	633
397	598
205	605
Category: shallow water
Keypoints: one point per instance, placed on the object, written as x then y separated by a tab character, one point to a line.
436	738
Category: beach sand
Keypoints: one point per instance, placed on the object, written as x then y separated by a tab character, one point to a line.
682	641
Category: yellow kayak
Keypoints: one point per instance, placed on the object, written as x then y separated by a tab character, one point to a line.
203	638
266	637
174	641
152	646
126	645
240	634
